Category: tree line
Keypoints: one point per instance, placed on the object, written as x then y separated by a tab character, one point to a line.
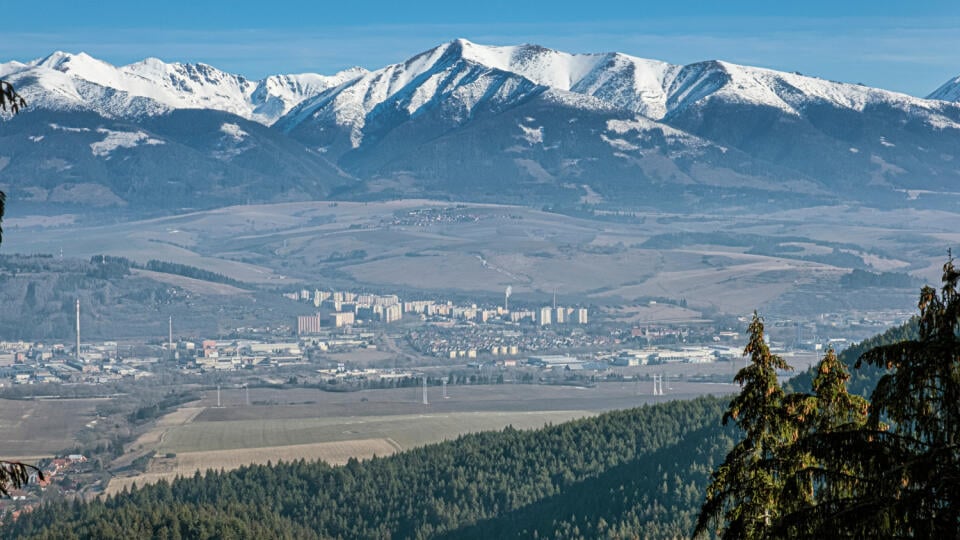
107	266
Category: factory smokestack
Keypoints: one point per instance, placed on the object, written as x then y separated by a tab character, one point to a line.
78	329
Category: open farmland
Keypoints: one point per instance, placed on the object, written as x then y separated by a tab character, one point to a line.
42	427
303	423
187	463
406	430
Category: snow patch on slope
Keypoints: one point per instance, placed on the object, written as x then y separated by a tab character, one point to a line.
619	134
532	135
619	144
941	122
58	127
643	124
234	131
120	139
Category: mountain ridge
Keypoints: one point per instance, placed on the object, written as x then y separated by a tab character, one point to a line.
170	86
498	123
657	86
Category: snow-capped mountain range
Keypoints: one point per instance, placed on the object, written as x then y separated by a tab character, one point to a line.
648	87
78	81
467	120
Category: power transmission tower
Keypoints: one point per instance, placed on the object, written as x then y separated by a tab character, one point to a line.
658	385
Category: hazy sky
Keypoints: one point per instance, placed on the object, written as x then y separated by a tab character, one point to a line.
910	47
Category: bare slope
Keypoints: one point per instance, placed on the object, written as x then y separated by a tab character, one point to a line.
730	262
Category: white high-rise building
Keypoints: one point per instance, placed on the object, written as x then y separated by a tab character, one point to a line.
392	313
308	324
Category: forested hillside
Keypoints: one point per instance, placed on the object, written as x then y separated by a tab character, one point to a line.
863	380
622	471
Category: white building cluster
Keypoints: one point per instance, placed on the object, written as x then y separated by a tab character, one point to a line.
343	308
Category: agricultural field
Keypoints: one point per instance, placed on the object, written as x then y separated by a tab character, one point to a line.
298	403
187	463
406	430
42	427
335	426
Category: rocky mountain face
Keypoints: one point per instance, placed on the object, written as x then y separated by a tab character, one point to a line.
510	124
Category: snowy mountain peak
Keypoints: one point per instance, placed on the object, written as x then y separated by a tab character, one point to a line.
64	61
657	89
80	66
622	80
541	65
450	76
948	91
466	120
78	81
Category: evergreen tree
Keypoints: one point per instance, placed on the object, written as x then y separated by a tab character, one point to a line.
831	407
742	497
10	97
810	478
898	475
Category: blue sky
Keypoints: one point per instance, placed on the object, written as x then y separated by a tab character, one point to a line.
910	47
